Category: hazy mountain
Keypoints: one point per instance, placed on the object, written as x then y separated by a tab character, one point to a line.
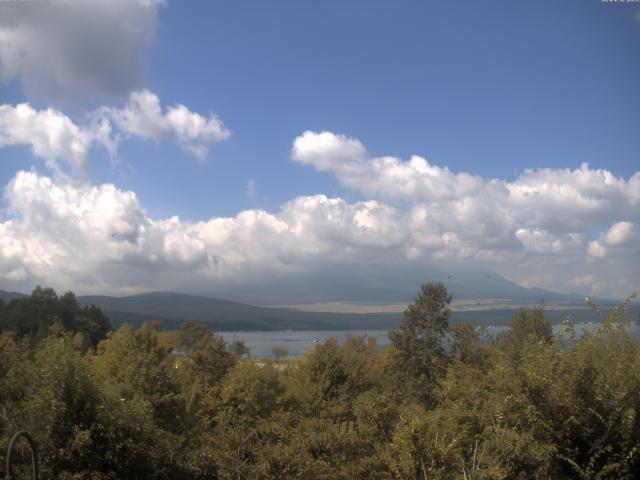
6	297
373	284
173	308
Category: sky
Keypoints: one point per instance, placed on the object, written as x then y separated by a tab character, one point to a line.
190	146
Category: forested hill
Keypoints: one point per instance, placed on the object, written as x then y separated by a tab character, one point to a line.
6	297
173	308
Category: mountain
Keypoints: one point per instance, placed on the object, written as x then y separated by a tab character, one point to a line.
173	308
373	284
223	315
6	297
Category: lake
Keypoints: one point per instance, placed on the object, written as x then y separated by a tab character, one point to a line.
298	342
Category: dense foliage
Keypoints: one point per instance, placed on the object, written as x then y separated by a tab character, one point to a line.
35	315
438	403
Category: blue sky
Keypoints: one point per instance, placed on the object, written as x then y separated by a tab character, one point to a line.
488	88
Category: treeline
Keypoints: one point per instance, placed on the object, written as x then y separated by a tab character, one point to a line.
439	403
35	315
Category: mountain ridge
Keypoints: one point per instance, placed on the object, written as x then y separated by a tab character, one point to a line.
238	311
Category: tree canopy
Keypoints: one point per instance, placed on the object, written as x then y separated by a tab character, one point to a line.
419	342
437	403
34	315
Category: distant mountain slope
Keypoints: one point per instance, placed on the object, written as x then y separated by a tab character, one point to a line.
173	308
373	284
222	315
6	297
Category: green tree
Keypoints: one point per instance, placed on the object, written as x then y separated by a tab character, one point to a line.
206	361
33	316
467	345
419	342
330	377
133	365
52	394
526	325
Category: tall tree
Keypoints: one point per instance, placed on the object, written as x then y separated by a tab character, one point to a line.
33	316
418	343
526	326
206	361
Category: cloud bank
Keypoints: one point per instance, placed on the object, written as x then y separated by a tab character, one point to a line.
567	230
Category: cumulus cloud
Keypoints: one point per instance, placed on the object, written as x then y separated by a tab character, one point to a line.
552	199
388	177
60	49
542	220
99	238
57	139
620	233
621	239
143	117
538	205
542	241
561	229
51	135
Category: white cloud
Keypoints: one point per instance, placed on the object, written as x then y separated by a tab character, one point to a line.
537	229
55	137
51	135
143	117
545	210
98	238
621	240
596	249
540	221
620	233
542	241
552	199
62	49
386	177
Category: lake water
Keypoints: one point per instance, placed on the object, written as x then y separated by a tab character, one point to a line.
298	342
